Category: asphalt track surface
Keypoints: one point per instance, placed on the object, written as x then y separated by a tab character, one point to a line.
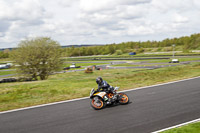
151	109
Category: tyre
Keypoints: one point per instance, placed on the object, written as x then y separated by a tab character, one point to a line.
97	103
124	98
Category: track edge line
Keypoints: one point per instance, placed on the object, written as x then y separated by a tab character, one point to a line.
176	126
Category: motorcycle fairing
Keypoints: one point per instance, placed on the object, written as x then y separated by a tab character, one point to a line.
101	94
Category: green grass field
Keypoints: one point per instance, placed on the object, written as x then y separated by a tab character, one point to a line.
2	72
78	84
191	128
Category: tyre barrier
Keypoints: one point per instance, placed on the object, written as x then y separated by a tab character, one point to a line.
7	80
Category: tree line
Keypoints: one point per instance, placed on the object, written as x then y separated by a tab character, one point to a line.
186	43
4	54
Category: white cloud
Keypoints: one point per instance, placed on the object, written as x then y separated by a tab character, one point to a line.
21	10
92	6
180	19
103	21
17	19
197	3
132	12
102	5
66	3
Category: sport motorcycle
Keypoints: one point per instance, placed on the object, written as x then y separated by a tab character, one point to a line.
100	99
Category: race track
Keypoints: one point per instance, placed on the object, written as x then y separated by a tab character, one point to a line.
151	109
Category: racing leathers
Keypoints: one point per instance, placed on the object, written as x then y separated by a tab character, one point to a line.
104	86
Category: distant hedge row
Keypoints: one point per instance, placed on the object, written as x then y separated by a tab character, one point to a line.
186	43
4	54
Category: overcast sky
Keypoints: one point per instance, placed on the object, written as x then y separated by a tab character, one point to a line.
97	21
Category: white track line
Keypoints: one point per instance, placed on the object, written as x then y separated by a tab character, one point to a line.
42	105
186	123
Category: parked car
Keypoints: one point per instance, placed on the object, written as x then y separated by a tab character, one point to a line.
5	66
174	61
132	53
71	66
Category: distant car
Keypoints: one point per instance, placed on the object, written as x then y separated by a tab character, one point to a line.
72	66
132	53
5	66
174	61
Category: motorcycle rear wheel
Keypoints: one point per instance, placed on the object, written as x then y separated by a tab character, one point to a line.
124	99
97	105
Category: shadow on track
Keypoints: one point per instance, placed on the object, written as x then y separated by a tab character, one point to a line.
114	105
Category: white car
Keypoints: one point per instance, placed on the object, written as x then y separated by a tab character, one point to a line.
174	61
5	66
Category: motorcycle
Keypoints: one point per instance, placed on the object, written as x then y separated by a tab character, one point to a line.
99	99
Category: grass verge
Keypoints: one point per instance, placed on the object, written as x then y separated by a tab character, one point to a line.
191	128
7	72
78	84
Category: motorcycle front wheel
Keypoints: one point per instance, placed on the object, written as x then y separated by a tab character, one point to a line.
97	103
124	98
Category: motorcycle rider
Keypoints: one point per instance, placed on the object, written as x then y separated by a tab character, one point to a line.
102	84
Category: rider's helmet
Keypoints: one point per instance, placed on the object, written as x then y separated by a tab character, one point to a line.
99	80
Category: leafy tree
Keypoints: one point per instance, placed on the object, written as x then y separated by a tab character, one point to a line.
38	57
